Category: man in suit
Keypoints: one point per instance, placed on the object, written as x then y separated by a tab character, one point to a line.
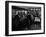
15	22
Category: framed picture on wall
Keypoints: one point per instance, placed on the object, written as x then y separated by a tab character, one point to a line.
24	18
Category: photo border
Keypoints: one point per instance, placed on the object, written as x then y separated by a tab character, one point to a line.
7	17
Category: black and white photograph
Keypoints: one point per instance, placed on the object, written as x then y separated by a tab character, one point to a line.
24	18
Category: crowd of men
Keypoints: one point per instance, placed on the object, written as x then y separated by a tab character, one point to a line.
23	19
